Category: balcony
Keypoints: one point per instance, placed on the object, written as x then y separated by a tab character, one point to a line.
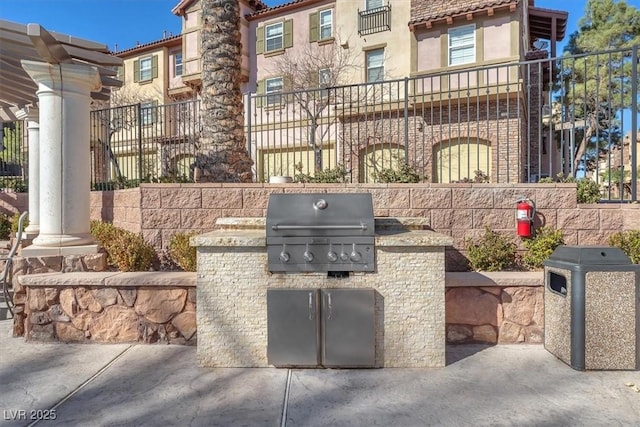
374	20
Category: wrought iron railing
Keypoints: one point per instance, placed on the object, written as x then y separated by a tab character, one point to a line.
503	123
13	156
372	21
133	143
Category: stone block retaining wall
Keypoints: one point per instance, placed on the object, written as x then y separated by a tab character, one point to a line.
108	307
458	210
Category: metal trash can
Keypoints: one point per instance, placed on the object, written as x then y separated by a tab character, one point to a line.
591	308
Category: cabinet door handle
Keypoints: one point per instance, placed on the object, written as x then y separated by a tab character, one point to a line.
310	305
330	305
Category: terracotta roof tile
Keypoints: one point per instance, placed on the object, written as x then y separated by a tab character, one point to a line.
285	6
171	40
431	10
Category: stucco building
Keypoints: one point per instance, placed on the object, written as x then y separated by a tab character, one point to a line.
370	84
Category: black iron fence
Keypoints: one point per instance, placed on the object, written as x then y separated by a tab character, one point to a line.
515	122
143	143
13	156
504	123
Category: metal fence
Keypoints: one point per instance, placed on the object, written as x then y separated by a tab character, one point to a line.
143	143
13	155
515	122
505	123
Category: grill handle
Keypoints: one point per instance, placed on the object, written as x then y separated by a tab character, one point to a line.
318	227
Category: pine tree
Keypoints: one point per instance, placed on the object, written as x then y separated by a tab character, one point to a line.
597	85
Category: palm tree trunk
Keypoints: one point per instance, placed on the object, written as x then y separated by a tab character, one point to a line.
223	157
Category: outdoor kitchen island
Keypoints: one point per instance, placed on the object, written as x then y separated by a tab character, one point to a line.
408	287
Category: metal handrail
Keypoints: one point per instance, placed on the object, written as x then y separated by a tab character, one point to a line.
318	227
7	272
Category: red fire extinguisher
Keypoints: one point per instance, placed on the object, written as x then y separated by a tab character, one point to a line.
525	212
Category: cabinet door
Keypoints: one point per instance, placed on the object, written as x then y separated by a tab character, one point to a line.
292	327
348	327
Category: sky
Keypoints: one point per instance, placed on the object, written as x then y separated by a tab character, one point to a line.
121	24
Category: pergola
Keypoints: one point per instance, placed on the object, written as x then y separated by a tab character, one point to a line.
49	80
32	42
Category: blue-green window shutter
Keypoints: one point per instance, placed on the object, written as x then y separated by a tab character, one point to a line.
313	27
259	40
154	66
136	70
288	33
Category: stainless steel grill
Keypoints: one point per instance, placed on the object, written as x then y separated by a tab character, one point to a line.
320	232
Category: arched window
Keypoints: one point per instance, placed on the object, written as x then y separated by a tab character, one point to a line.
457	159
376	157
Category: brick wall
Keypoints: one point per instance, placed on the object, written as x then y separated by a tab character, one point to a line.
500	123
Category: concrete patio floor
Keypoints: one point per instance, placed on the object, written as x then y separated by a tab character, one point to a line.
161	385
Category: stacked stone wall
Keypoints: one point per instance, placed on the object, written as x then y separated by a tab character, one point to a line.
111	307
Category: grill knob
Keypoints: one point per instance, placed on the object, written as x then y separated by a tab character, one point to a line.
344	256
284	257
332	256
308	256
356	256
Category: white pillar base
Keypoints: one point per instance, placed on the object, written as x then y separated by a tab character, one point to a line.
42	251
64	240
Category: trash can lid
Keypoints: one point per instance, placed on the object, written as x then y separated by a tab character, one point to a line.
588	255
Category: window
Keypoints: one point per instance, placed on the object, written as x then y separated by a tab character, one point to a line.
177	59
375	65
326	24
373	4
147	112
145	69
273	86
462	45
273	36
324	77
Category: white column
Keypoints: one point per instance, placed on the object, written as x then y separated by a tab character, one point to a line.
64	99
32	116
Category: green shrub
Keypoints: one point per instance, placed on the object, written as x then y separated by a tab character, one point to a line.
587	190
491	252
15	220
103	232
131	253
5	226
405	174
17	184
479	177
540	247
181	253
629	242
337	174
126	251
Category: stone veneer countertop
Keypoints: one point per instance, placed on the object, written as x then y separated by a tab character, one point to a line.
389	232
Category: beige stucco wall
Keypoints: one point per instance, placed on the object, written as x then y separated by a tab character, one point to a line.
497	41
395	42
191	23
266	63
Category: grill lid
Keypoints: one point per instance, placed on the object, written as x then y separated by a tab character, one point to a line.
311	214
